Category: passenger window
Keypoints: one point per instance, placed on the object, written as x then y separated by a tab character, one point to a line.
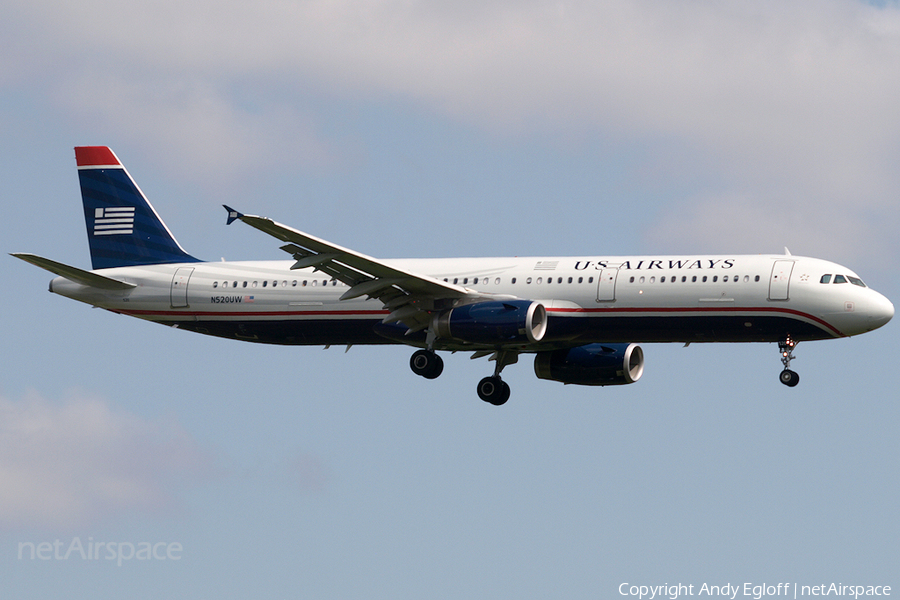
694	279
215	284
704	279
497	281
581	279
570	280
245	284
528	280
264	284
662	279
715	278
590	280
725	279
513	280
840	279
294	283
683	278
757	278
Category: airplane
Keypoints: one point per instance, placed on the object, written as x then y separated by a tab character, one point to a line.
582	317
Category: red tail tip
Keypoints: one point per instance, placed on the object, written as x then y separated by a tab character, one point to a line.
94	156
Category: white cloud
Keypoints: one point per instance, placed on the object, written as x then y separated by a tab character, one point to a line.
778	101
68	464
200	132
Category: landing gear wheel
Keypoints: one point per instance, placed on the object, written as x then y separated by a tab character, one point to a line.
493	390
786	347
789	378
426	364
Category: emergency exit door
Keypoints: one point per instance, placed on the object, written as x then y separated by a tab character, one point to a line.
606	285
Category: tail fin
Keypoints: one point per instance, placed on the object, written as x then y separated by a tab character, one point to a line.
123	229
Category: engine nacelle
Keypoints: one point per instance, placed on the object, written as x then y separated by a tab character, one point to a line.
496	322
592	364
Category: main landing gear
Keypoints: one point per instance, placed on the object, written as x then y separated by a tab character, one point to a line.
492	390
427	364
788	377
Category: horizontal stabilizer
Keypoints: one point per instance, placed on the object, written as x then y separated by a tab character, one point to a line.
74	273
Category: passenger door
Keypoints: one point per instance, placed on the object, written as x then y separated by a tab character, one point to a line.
179	290
780	282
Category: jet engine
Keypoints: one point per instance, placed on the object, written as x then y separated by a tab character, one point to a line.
592	364
496	322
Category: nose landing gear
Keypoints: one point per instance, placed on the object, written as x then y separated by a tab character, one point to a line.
788	377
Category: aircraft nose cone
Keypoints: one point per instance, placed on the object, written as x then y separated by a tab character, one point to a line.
880	312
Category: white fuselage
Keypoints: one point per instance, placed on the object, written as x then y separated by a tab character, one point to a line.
729	298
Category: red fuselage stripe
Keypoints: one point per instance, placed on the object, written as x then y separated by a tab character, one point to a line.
574	311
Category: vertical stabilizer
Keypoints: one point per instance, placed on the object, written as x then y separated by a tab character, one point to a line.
123	228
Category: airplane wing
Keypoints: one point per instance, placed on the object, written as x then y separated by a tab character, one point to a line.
74	273
409	296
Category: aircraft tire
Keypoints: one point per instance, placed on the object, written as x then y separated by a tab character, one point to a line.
789	378
493	390
427	364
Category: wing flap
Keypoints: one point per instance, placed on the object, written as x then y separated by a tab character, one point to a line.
411	298
350	267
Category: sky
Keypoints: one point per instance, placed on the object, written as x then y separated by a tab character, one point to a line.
153	462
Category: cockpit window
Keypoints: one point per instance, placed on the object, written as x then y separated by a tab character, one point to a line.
825	279
856	281
840	279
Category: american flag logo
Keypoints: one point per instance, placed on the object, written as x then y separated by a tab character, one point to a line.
114	220
248	299
546	265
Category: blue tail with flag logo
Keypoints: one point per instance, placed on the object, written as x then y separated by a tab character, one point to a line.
123	228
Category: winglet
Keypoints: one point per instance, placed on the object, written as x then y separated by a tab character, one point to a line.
233	215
